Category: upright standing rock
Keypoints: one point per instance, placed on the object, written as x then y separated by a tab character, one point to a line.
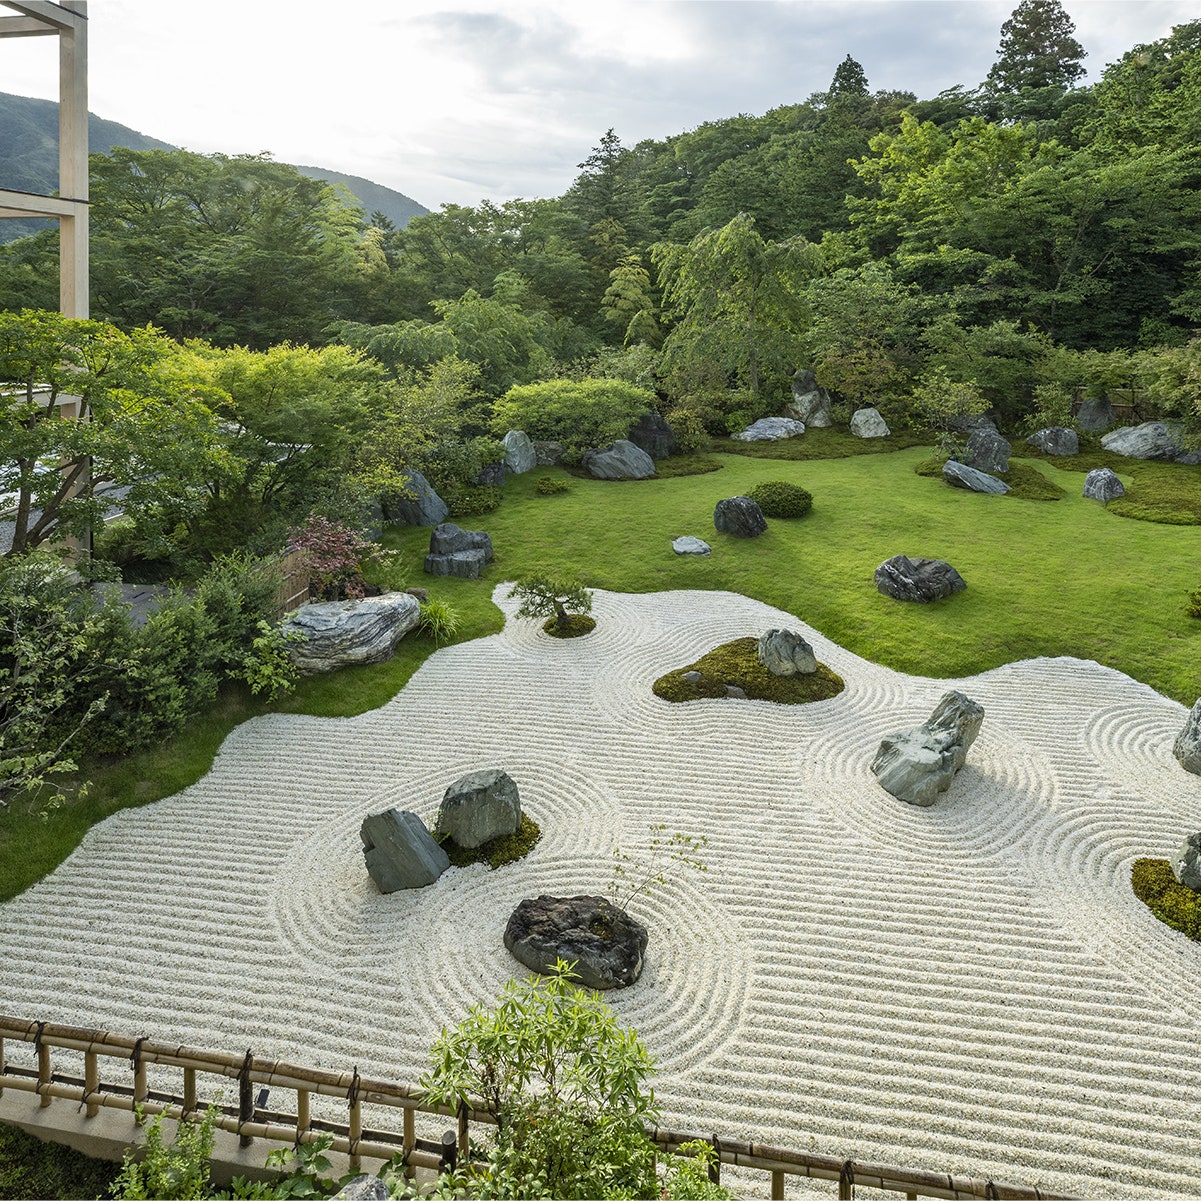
867	423
1187	747
423	506
809	404
916	765
520	455
740	516
652	434
987	451
786	653
479	807
400	852
1103	485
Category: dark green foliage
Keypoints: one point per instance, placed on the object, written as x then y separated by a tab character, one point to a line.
580	413
574	625
779	498
32	1168
550	485
1158	889
496	853
680	465
469	500
1037	49
738	663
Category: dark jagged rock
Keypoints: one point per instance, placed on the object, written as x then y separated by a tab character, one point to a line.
920	580
465	564
400	852
987	451
652	434
423	507
492	475
604	942
740	516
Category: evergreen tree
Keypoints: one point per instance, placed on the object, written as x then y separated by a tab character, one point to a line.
849	79
1037	49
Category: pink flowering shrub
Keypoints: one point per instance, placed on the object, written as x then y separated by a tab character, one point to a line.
335	553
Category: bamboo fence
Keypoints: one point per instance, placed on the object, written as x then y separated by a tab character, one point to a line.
250	1119
294	581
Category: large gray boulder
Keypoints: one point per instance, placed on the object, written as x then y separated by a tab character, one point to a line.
448	538
786	653
604	942
920	580
464	564
1103	485
1151	440
917	765
1055	440
809	404
740	516
423	506
1186	863
549	454
520	455
348	633
479	807
688	545
770	429
960	475
400	852
620	460
652	434
867	423
1096	415
987	451
1187	747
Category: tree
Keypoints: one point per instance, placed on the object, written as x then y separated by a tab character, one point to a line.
597	193
629	304
580	413
1037	49
544	595
140	424
849	79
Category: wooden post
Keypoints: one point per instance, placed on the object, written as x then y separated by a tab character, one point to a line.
189	1090
43	1068
410	1140
777	1186
302	1114
245	1100
462	1116
356	1122
91	1082
846	1182
715	1166
1	1067
139	1073
450	1152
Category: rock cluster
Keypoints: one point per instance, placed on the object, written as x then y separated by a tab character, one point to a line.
916	765
786	653
620	460
920	580
400	851
479	807
604	942
740	516
348	633
458	552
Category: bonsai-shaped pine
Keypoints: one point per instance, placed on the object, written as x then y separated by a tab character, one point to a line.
565	602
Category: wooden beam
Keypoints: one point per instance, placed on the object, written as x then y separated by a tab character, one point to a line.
73	279
24	27
59	16
26	204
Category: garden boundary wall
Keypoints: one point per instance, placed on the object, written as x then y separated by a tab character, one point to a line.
398	1106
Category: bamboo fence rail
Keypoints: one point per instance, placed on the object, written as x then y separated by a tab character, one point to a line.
250	1119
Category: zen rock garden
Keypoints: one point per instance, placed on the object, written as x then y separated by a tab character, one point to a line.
918	764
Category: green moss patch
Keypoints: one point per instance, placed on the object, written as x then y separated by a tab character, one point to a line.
1025	482
680	465
576	626
738	663
1158	889
30	1167
497	851
828	443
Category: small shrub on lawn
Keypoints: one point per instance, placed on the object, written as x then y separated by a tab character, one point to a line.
549	485
1176	906
1193	608
778	498
738	663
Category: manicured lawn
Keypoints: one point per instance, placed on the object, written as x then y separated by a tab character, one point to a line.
1044	578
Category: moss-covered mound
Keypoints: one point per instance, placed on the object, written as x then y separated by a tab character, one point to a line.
738	663
1025	482
1158	889
498	851
576	626
779	498
832	442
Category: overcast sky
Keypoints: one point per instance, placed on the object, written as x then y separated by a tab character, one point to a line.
494	99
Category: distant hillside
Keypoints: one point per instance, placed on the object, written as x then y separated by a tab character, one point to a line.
29	161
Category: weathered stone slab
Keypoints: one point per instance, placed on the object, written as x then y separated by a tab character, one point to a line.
620	460
1151	440
448	538
1103	485
918	764
520	455
740	516
400	852
604	942
1096	415
770	429
479	807
347	633
786	653
867	423
960	475
920	580
464	564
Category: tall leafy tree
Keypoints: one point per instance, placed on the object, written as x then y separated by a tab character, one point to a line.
850	79
1037	49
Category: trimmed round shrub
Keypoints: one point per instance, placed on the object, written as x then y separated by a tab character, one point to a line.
778	498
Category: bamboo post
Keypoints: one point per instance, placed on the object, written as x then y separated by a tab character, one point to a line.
189	1090
777	1186
450	1152
43	1068
1	1067
245	1100
410	1139
462	1115
302	1114
846	1182
91	1082
356	1122
139	1072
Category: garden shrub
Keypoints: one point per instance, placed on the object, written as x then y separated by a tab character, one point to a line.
438	620
579	413
778	498
1176	906
334	552
549	485
470	500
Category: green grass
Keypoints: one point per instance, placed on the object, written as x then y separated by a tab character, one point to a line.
829	443
30	1167
738	663
1043	579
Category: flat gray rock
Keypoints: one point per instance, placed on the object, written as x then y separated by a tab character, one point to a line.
347	633
1187	747
423	507
987	451
604	942
1151	440
918	764
465	564
1103	485
920	580
447	538
960	475
688	545
786	653
520	455
867	423
1055	440
479	807
740	516
620	460
770	429
400	852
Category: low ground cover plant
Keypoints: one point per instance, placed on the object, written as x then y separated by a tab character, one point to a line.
1175	905
737	663
496	852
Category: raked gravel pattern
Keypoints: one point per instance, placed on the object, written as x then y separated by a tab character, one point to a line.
970	987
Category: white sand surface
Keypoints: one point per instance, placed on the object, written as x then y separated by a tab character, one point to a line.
970	987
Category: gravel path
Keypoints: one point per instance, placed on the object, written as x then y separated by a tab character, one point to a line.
970	987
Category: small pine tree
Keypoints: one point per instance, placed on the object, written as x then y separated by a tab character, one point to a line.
542	595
